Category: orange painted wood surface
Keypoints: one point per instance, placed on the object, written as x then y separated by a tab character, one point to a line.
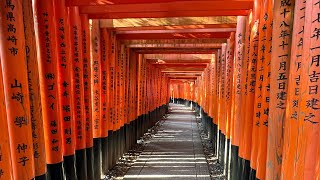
229	83
292	132
16	92
34	89
66	115
308	146
244	79
280	60
238	85
263	128
77	77
5	163
96	78
86	55
47	38
105	43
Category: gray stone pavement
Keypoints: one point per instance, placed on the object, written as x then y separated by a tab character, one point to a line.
175	151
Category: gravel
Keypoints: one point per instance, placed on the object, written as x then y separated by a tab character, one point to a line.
215	169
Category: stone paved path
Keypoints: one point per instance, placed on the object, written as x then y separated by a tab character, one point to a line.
175	151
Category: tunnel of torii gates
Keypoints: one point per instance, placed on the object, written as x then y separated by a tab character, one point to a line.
82	80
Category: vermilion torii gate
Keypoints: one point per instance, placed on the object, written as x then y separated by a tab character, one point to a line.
82	80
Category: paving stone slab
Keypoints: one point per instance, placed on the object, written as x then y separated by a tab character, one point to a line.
174	152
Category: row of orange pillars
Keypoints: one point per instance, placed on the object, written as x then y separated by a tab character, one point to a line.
259	98
73	99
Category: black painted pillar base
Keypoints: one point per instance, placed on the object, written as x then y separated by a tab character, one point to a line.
104	152
252	175
234	163
215	139
41	177
118	150
122	141
221	148
139	126
97	157
228	158
55	171
245	171
81	164
127	137
69	165
90	167
133	133
110	149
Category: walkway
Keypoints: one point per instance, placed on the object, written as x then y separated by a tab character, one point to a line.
175	152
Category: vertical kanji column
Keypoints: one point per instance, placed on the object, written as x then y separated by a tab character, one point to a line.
96	91
259	78
280	61
77	90
218	76
238	88
229	95
104	97
251	84
86	55
48	65
34	91
222	123
244	93
112	97
15	86
266	49
309	145
229	82
292	123
121	98
64	89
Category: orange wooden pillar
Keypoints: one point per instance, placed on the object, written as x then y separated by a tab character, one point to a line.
250	91
118	99
222	108
122	116
237	91
34	91
244	90
308	146
48	64
86	55
264	112
291	133
213	100
105	38
113	97
292	123
15	86
96	91
313	20
229	82
223	89
77	90
258	98
5	163
218	77
139	95
117	94
64	89
228	97
280	60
